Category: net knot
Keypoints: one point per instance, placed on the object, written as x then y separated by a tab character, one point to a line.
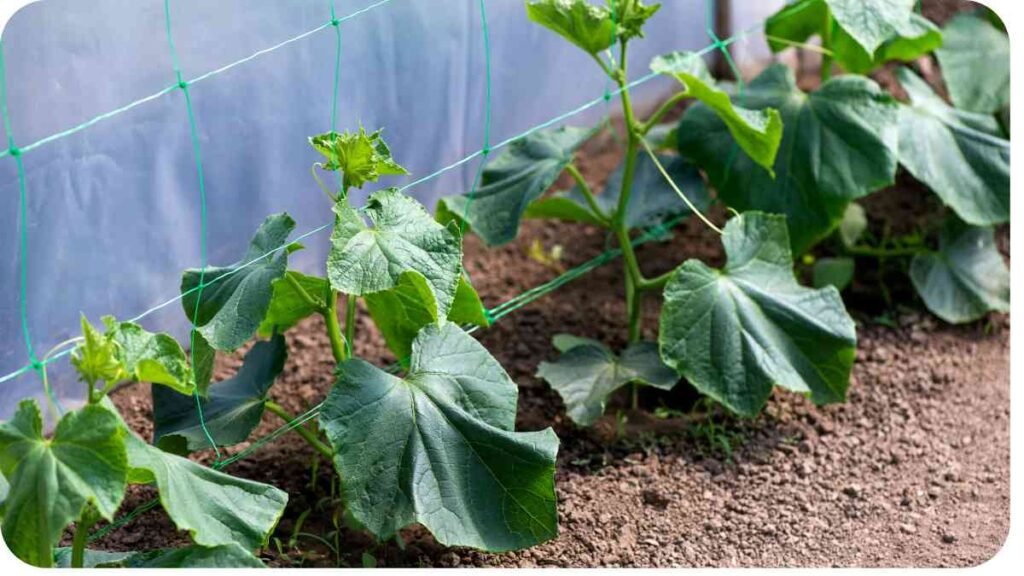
14	151
607	95
486	151
335	22
182	84
489	316
36	365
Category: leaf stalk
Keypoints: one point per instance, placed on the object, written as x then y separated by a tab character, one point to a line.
302	431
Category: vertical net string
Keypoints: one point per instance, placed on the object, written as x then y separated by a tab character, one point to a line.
15	153
485	150
194	134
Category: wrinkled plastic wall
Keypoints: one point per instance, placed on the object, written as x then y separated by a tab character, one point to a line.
113	211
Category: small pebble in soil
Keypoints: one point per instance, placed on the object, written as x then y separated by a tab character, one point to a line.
908	528
949	538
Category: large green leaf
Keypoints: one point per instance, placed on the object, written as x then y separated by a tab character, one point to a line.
236	298
840	143
836	272
966	278
204	358
91	558
651	201
588	26
148	357
871	22
758	132
52	480
915	38
401	312
213	507
959	155
226	556
737	332
288	307
232	409
512	181
795	23
439	448
911	35
359	156
587	373
975	60
404	239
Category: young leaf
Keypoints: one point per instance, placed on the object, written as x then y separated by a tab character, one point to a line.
96	358
404	239
959	155
840	143
231	411
836	272
439	448
236	298
966	278
853	225
360	157
226	556
737	332
52	480
975	60
148	357
587	373
651	202
288	307
588	26
631	15
401	312
758	132
213	507
512	181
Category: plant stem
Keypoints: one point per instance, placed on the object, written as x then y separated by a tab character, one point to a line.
350	320
884	252
81	537
634	277
689	204
312	170
662	111
306	434
306	297
334	329
588	194
656	283
826	44
601	63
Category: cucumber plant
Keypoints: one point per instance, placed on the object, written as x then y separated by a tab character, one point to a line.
435	445
960	152
734	333
79	473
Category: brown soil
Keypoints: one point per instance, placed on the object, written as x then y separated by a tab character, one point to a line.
912	471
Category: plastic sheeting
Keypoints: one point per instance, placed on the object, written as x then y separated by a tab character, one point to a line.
113	211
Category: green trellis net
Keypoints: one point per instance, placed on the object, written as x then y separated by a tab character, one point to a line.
184	85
